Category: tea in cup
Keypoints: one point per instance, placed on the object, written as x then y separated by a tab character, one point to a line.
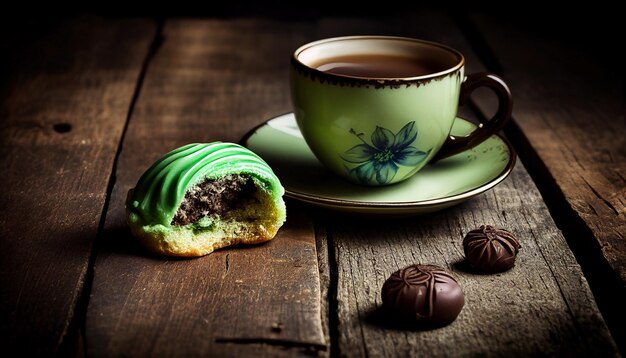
376	109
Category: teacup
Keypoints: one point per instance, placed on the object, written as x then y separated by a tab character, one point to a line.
376	109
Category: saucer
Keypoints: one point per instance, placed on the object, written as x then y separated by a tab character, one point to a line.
437	186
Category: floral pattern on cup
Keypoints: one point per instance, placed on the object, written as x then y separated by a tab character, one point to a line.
380	160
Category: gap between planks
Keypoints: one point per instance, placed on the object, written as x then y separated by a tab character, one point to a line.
81	309
604	280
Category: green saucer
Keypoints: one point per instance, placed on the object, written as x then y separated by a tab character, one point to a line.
439	185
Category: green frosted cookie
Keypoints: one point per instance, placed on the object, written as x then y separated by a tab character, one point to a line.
201	197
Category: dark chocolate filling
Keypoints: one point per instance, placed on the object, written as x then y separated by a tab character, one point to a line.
215	197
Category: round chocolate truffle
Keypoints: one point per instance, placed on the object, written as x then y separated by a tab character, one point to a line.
490	249
423	294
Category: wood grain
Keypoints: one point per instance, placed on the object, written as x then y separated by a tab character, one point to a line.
63	105
542	306
569	107
210	80
63	108
570	122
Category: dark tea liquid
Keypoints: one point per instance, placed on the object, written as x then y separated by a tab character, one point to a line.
376	66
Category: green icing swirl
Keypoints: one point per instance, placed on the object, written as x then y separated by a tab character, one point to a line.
160	190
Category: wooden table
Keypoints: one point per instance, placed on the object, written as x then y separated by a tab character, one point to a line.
87	103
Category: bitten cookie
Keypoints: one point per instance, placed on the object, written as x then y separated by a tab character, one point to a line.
202	197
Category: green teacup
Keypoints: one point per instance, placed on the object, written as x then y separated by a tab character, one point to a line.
377	109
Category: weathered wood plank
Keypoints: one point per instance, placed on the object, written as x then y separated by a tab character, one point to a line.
570	128
210	80
63	105
542	306
569	106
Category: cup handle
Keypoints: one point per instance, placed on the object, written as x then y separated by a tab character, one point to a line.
454	145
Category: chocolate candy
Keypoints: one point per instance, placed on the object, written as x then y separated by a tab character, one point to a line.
490	249
423	294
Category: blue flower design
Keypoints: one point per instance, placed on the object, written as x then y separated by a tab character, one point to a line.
379	162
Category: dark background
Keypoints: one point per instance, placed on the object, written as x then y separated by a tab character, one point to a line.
591	26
